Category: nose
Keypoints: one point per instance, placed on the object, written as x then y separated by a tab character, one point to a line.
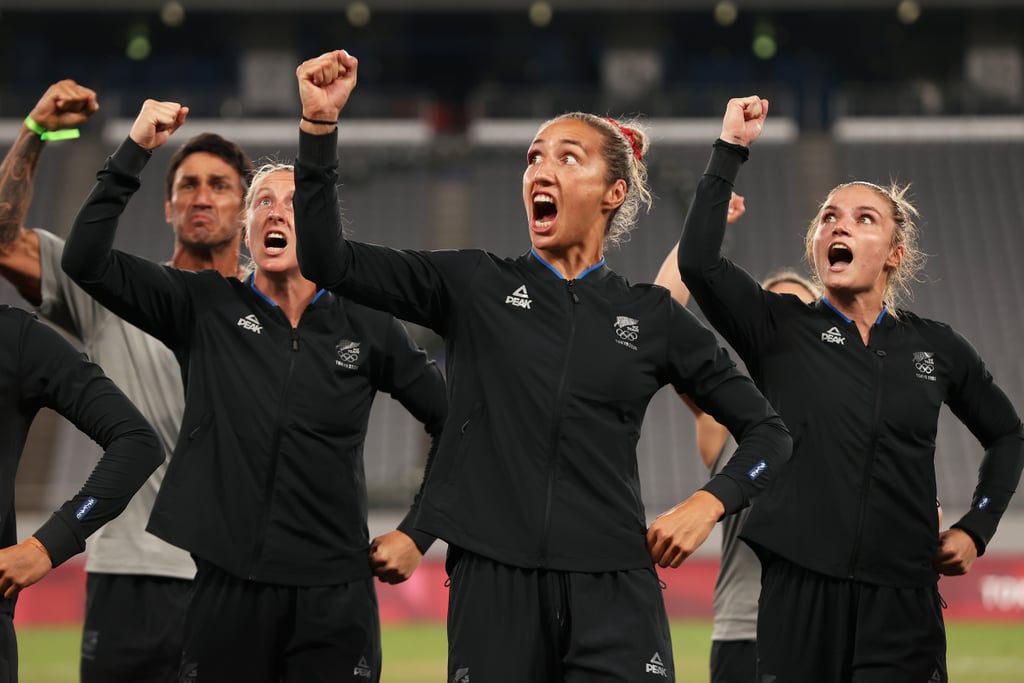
203	194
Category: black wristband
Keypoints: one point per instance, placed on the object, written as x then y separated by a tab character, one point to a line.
319	122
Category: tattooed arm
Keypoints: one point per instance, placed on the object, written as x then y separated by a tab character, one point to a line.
65	104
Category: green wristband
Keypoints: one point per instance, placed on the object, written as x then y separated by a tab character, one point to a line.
45	135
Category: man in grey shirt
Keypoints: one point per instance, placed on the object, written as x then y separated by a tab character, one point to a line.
137	586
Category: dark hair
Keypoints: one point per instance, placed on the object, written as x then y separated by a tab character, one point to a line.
214	144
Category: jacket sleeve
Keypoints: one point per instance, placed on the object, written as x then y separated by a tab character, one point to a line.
702	369
150	296
417	383
54	374
416	286
986	410
732	301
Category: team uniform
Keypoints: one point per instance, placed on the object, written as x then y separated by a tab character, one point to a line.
848	531
734	634
39	369
535	485
131	575
266	487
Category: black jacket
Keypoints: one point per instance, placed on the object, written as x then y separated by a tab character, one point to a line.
40	369
267	478
857	499
548	383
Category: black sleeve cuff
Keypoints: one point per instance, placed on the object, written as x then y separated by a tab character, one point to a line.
422	539
60	539
319	151
726	159
728	491
130	158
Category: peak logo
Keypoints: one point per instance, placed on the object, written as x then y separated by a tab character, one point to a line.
656	666
833	336
519	298
362	669
251	323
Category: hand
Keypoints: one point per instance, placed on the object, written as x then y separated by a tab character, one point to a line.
736	209
744	120
65	104
394	557
675	534
957	552
325	84
22	565
156	122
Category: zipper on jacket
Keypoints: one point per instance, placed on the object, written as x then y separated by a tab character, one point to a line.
869	463
268	491
556	424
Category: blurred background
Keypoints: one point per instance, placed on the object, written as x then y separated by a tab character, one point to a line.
451	92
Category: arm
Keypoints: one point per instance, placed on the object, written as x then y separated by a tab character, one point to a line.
986	410
144	293
703	370
64	105
733	302
53	374
414	286
710	434
419	386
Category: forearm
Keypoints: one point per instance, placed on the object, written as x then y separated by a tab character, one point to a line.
17	173
88	248
704	228
998	478
321	249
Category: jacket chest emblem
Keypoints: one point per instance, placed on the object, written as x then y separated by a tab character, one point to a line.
627	331
924	364
251	322
349	354
833	336
519	298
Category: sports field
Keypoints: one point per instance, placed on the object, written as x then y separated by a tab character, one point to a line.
978	653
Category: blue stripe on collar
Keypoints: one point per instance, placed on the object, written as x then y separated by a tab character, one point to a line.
878	320
252	284
560	276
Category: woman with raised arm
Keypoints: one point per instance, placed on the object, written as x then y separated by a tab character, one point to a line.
552	360
848	533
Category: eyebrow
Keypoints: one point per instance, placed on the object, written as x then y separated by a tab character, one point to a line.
865	207
212	178
563	141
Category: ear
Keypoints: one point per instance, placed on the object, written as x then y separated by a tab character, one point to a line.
895	258
614	195
167	211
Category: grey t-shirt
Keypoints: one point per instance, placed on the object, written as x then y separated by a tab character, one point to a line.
148	373
739	577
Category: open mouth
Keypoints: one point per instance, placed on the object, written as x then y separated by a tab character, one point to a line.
275	240
839	253
544	209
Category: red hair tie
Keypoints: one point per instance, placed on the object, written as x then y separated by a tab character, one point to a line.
628	133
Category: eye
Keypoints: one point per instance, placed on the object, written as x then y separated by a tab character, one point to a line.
570	159
866	218
533	158
264	201
828	217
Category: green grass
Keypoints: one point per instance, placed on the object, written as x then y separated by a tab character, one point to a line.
978	653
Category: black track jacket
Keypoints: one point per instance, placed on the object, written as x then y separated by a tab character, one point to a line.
857	500
267	480
548	384
40	369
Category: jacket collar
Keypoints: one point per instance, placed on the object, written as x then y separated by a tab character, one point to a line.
597	271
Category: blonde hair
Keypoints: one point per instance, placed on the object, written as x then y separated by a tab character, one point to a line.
794	278
905	234
624	150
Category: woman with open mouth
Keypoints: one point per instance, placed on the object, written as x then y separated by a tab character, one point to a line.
552	359
848	533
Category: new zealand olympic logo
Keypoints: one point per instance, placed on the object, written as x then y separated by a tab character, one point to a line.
627	330
348	353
